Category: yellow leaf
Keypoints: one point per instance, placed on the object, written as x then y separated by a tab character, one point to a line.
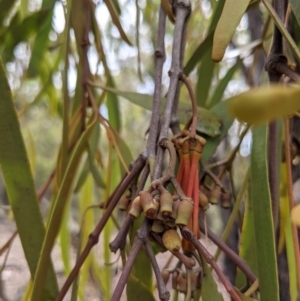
263	104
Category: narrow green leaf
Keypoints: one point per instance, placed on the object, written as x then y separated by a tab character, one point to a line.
247	246
205	76
55	219
112	104
232	14
209	286
20	187
213	142
208	122
95	170
198	54
262	216
219	92
115	18
65	240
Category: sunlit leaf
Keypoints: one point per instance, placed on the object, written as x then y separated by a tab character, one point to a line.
231	16
262	216
20	187
264	104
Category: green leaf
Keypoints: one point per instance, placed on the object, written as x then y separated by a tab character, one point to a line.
264	104
137	290
232	14
22	31
95	170
262	217
219	92
112	104
198	54
208	122
213	142
295	4
20	187
209	286
41	41
205	76
247	246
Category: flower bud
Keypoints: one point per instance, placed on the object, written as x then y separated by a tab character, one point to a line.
225	199
136	208
184	212
171	240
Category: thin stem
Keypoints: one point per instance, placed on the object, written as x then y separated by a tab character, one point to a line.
159	62
188	84
138	243
288	161
188	234
240	263
164	294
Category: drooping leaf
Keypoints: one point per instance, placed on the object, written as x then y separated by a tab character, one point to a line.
20	187
209	286
262	215
115	18
219	92
208	121
232	14
265	104
296	9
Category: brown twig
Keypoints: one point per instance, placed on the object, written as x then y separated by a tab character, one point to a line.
94	236
159	62
189	235
187	83
231	254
